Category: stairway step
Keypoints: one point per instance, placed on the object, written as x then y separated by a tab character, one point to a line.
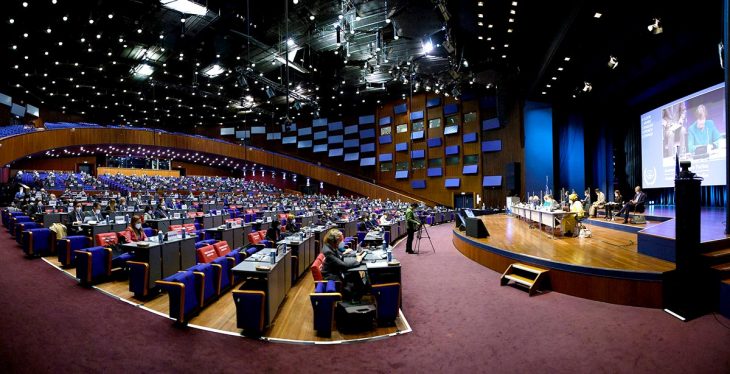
521	280
528	268
722	267
716	254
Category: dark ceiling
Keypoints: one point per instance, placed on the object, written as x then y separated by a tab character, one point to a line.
80	56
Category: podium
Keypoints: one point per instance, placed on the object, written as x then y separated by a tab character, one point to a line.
475	228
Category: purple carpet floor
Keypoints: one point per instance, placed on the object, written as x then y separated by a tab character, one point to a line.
462	321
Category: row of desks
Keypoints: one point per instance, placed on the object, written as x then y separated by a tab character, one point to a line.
541	217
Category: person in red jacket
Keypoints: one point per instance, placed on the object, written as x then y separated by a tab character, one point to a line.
135	230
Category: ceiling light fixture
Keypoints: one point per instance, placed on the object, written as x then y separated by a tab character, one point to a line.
213	71
427	46
656	27
185	6
587	87
597	15
143	70
612	62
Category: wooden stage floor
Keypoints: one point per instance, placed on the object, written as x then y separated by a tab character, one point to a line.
605	267
293	323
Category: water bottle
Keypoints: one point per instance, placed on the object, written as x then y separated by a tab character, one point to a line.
273	256
160	237
390	255
126	219
385	244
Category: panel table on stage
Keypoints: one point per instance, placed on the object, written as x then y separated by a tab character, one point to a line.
540	216
276	280
232	235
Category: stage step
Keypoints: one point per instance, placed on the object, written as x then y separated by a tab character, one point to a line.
524	275
724	268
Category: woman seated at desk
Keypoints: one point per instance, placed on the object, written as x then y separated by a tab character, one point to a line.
570	221
273	233
550	203
384	219
291	224
135	230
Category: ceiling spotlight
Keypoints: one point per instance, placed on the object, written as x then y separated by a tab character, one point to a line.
387	20
587	87
11	21
427	46
612	62
311	17
295	2
25	4
91	21
656	27
139	31
290	42
110	16
597	15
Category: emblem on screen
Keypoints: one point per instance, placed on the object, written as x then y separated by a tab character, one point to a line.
649	176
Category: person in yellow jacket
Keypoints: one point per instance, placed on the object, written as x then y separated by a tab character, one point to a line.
569	222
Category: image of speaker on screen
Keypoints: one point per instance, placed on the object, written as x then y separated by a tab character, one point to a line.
674	119
703	136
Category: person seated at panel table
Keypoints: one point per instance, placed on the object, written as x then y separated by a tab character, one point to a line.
337	260
569	222
135	229
618	200
637	203
550	203
148	214
599	203
702	132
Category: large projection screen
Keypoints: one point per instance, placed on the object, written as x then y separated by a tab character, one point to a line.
694	126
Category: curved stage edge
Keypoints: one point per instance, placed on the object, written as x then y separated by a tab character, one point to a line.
623	287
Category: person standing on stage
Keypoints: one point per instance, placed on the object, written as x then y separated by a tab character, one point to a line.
412	224
637	203
599	203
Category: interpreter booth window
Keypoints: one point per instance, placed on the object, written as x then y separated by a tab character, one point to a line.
434	123
400	166
452	160
471	159
452	121
417	126
435	162
470	117
387	130
403	127
418	163
386	166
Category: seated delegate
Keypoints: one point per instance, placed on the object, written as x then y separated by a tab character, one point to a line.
135	230
337	261
599	203
570	221
635	204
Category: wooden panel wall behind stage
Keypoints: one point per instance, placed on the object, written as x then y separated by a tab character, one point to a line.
60	163
197	169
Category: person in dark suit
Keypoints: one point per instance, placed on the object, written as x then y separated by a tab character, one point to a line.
95	213
291	224
412	225
160	212
273	233
77	215
337	261
637	203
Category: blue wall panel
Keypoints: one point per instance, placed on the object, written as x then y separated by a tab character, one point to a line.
538	146
572	155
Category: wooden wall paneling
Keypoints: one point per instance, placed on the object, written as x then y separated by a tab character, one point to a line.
512	151
57	164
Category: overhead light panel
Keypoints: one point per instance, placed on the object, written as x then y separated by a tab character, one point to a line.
213	71
587	87
143	70
612	62
427	46
656	27
597	15
185	6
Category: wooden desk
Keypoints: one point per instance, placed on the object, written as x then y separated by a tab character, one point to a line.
277	281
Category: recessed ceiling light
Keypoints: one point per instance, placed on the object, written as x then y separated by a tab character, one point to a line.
11	21
480	3
480	37
567	59
560	68
514	3
25	4
597	15
64	18
509	30
480	15
554	78
91	21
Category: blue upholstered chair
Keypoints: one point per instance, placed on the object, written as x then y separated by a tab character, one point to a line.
205	242
361	236
207	277
93	264
387	301
15	220
148	231
324	299
250	310
23	226
185	295
66	248
139	278
38	242
223	266
7	216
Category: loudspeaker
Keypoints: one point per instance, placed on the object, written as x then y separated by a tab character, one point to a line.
475	228
512	177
